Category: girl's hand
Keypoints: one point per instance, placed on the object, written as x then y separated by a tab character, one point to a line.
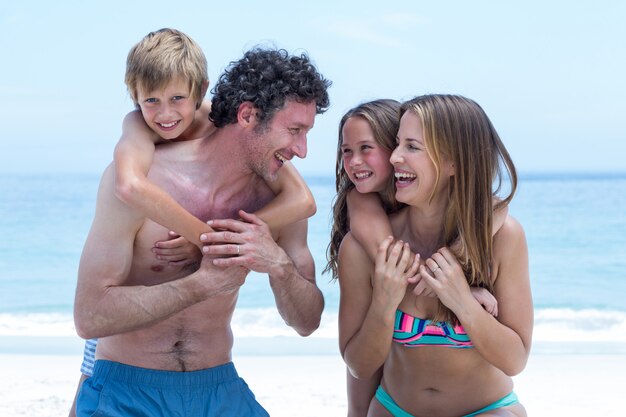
395	264
486	299
421	287
176	250
444	274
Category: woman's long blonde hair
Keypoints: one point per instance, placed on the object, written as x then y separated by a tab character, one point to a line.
457	129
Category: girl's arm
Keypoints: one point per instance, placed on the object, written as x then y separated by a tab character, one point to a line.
293	201
133	157
368	221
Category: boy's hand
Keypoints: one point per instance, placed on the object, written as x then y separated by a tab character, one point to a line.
176	250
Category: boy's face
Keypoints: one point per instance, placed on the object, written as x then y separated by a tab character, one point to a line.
168	111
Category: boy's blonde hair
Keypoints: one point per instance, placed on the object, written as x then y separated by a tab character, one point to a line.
162	56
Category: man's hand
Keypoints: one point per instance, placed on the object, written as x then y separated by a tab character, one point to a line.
247	243
218	280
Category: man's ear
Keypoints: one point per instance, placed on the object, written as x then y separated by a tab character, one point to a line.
246	114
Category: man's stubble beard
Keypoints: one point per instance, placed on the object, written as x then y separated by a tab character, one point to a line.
257	159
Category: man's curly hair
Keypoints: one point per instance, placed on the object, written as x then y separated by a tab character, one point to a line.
266	78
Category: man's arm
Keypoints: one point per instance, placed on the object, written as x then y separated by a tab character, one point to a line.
104	305
299	300
288	262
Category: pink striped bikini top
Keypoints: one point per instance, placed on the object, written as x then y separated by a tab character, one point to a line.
412	331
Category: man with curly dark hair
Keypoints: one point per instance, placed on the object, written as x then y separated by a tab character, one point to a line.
157	323
267	78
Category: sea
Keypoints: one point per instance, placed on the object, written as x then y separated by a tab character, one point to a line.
575	225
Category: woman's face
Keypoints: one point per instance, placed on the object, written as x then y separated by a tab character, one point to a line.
414	170
365	161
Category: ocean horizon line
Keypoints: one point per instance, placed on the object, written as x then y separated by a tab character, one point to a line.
573	175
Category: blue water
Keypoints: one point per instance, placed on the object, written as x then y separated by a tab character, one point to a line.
575	226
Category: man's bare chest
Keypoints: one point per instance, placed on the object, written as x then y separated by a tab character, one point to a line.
206	201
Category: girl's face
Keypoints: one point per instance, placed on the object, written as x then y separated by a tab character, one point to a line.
414	170
364	160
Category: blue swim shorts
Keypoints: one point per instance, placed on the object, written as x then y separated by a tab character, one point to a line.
116	389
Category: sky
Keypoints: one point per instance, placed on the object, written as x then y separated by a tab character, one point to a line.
550	74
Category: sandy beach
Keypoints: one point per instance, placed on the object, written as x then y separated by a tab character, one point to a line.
558	381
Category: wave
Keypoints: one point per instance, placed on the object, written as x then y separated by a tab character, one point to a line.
589	325
247	322
37	324
551	325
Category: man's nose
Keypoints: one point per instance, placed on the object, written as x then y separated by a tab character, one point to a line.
300	147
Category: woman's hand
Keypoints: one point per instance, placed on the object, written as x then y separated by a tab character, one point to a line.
443	273
176	250
395	264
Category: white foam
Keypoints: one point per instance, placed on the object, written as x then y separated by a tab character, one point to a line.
589	325
266	322
551	325
255	322
37	324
